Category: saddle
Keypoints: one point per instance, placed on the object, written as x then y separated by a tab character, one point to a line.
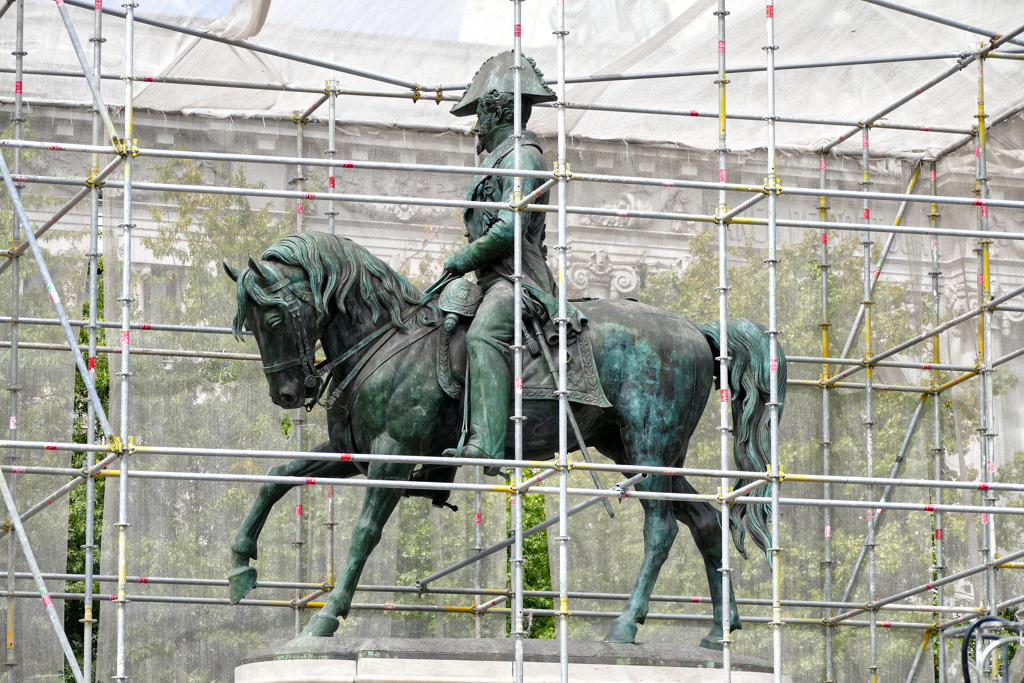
460	300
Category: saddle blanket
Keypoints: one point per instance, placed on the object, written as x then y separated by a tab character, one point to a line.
584	384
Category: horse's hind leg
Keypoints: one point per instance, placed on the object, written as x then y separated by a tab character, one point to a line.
242	577
705	524
377	508
660	529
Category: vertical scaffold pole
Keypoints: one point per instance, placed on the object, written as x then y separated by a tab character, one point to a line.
330	524
13	455
300	178
986	415
723	352
126	312
826	420
332	151
563	354
94	249
517	346
773	354
300	512
937	451
297	422
869	409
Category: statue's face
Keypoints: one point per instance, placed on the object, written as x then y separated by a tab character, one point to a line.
276	333
488	117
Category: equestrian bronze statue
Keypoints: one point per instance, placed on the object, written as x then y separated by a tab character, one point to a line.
398	362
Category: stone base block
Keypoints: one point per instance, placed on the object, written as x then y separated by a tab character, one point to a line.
398	660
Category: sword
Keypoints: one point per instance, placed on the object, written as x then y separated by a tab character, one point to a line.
539	334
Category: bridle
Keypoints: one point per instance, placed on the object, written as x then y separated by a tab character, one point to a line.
315	376
306	358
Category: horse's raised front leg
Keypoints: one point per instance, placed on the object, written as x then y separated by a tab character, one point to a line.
705	524
660	529
242	577
377	508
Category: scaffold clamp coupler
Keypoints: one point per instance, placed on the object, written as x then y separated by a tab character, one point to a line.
560	175
115	445
440	95
90	181
416	93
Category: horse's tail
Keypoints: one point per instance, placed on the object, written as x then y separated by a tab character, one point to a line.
749	383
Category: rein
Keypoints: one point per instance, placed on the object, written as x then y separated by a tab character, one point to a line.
318	376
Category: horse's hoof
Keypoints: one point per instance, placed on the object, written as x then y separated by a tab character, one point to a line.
622	631
241	580
321	626
713	640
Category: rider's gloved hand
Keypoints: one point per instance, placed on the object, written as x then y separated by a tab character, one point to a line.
458	263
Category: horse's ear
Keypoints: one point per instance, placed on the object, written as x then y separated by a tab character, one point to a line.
261	272
232	272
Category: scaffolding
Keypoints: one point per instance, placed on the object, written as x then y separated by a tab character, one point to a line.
111	455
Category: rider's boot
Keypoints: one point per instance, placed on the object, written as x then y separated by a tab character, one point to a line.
489	389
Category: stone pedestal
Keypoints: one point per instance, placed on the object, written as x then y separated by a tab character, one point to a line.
398	660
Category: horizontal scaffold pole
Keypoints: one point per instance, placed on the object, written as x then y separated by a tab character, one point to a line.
487	462
606	493
427	590
864	61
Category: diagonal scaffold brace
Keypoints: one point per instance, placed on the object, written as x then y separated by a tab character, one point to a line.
90	78
51	289
61	212
30	558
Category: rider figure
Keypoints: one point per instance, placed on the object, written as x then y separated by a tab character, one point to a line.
491	233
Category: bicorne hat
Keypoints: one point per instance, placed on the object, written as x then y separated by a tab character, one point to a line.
497	74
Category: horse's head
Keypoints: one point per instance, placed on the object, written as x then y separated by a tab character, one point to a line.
276	304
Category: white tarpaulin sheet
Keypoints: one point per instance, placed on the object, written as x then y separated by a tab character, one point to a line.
433	42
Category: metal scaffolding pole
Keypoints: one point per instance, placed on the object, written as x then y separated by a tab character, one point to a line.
826	421
332	151
869	434
773	336
94	249
11	659
517	348
724	403
94	84
126	314
937	450
986	350
563	355
299	541
603	78
939	20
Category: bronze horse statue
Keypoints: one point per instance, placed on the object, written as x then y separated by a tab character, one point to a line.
378	334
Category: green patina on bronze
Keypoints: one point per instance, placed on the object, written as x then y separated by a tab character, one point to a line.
382	338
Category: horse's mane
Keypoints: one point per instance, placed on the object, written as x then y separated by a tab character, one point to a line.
339	271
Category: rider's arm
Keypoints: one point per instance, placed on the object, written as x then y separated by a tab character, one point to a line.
501	235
